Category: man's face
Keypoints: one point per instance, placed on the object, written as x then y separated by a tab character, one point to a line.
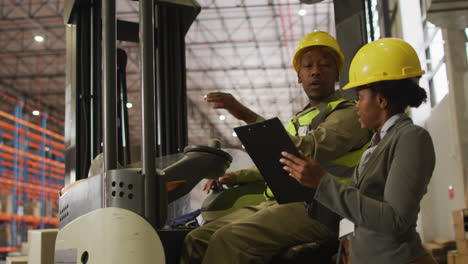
318	73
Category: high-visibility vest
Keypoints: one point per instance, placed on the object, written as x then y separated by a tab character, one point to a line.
342	166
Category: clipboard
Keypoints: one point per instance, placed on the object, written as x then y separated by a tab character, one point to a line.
264	141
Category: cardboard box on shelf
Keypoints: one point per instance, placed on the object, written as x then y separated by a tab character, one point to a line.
33	207
17	260
36	208
51	208
9	236
41	245
6	203
24	248
5	233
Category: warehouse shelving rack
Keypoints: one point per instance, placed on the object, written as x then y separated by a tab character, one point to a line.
32	171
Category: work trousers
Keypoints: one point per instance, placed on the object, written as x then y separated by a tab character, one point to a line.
252	234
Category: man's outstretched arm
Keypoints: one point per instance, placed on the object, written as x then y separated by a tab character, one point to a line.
227	101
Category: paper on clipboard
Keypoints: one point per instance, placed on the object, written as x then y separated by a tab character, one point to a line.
346	229
264	141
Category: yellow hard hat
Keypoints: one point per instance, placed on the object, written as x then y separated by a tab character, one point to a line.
383	60
318	38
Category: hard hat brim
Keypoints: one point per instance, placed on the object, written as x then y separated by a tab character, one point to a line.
351	85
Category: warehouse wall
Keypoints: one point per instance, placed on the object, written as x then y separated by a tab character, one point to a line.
436	217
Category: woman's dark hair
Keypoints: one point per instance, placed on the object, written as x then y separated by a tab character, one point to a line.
400	93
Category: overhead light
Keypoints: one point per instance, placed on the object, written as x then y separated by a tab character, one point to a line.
47	149
222	117
36	112
129	105
302	12
234	134
39	38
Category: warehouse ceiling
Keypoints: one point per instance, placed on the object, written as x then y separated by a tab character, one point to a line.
240	47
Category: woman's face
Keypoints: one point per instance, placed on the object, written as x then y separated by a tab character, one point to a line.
370	109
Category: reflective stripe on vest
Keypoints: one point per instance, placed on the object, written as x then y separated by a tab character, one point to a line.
343	165
306	119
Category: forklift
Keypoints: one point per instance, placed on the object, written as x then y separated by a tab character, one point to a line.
118	215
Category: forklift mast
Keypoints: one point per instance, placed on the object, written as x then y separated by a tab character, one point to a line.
84	81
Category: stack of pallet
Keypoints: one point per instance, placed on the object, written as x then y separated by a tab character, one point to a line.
439	249
460	222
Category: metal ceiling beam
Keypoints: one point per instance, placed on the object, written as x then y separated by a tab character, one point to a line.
25	49
215	132
237	41
32	53
242	68
17	38
33	8
51	109
32	76
46	60
236	51
250	6
4	17
208	77
220	56
243	17
205	118
193	81
282	54
31	28
23	29
34	22
199	89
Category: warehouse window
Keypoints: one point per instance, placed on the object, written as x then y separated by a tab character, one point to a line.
437	73
372	21
466	43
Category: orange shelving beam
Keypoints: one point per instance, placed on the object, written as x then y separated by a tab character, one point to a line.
33	126
36	137
29	185
31	108
30	219
8	249
34	180
32	170
31	163
32	144
38	189
32	156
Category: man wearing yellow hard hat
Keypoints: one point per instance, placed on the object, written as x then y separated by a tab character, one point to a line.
382	200
326	129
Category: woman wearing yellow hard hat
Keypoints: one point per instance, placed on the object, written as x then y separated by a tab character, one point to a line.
382	200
